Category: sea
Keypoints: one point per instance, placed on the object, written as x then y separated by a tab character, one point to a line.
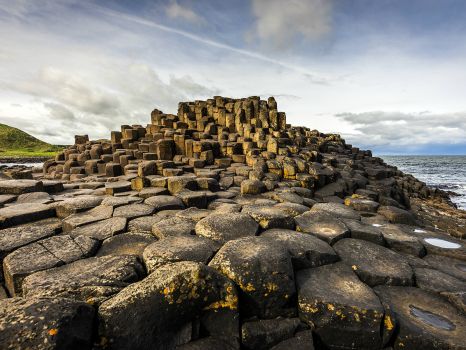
444	172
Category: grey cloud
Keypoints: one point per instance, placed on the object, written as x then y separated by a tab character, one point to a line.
405	130
279	23
59	112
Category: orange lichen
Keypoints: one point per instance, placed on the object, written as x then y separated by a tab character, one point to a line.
53	331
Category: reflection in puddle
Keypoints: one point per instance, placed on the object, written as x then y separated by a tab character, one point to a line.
418	230
377	225
432	319
442	243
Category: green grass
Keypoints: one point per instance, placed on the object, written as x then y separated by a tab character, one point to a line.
17	143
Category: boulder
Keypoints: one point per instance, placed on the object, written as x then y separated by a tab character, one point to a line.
42	255
397	215
374	264
436	281
336	210
174	226
178	248
163	202
24	213
323	226
99	213
263	271
102	229
175	293
345	312
269	218
132	211
77	205
92	280
301	341
18	187
222	228
453	267
263	334
364	231
252	187
143	224
399	240
46	323
422	319
126	244
305	250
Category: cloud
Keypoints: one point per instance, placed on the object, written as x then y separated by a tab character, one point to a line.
177	11
279	23
399	131
59	112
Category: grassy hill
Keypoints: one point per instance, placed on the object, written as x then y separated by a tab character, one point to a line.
17	143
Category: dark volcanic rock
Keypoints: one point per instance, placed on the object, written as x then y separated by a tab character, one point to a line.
126	244
23	213
423	320
305	250
301	341
91	280
102	229
263	334
175	293
222	228
374	264
178	248
42	255
323	226
46	323
263	271
345	312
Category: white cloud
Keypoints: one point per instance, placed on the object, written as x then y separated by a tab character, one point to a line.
177	11
279	23
404	131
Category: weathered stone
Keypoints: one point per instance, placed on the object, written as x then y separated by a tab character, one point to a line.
252	187
269	218
102	229
23	213
193	213
92	280
153	191
174	226
143	224
397	215
222	228
305	250
116	202
46	323
34	197
422	319
361	204
292	209
453	267
42	255
132	211
325	227
20	186
336	210
374	264
263	271
196	199
176	293
178	248
112	188
77	205
301	341
126	244
165	202
365	232
345	312
436	281
263	334
402	242
88	217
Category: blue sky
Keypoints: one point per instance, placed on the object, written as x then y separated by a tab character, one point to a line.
388	75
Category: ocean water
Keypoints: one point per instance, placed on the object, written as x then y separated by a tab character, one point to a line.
444	172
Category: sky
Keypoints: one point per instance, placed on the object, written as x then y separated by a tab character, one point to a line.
389	75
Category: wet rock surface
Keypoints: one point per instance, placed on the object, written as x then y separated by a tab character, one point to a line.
223	227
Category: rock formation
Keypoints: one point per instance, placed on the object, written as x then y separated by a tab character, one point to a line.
223	227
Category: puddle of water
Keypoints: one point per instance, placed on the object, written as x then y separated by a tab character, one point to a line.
432	319
377	225
418	230
442	243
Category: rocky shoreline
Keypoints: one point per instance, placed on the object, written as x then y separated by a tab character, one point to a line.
223	227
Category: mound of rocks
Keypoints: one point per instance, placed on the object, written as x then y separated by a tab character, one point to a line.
223	227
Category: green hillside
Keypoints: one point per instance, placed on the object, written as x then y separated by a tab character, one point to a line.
17	143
